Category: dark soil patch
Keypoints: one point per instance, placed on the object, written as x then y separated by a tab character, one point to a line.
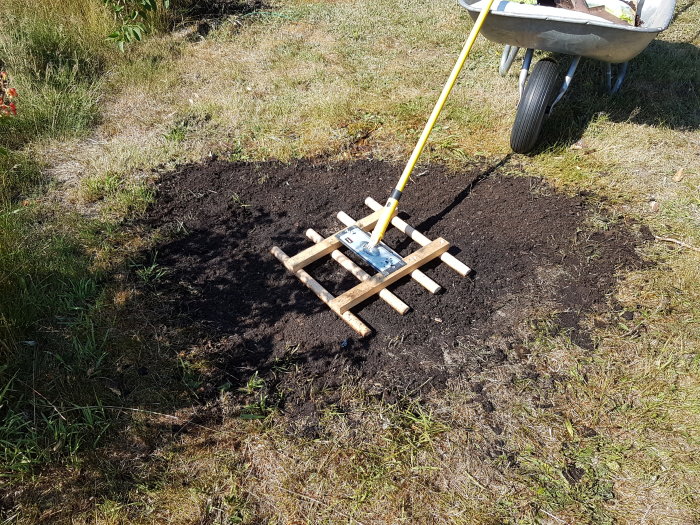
214	9
203	16
533	256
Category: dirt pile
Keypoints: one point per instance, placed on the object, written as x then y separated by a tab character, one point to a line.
534	253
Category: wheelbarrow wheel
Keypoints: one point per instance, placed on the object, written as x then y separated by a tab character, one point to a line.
539	93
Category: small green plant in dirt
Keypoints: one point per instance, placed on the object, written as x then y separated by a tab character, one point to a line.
263	403
415	429
261	408
134	18
254	384
177	133
285	363
238	201
151	273
190	374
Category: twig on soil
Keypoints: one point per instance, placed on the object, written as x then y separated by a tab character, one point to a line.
45	399
179	419
553	516
474	480
635	329
304	496
679	243
415	390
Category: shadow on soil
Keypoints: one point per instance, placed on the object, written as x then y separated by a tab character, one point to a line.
662	89
207	15
216	9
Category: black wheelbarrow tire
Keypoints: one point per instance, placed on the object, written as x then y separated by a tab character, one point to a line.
540	91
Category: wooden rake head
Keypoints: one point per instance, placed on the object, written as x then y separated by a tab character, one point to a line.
370	285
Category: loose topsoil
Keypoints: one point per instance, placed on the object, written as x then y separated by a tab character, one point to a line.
535	253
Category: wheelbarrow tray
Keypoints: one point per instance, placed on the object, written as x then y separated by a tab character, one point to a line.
573	33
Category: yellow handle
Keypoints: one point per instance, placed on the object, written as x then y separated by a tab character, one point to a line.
391	204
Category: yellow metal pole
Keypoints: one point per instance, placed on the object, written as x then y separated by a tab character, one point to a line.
393	201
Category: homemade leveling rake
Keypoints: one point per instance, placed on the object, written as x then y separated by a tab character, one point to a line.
390	265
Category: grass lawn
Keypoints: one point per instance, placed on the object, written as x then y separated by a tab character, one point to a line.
108	418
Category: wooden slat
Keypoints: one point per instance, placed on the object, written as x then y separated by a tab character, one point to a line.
418	276
387	296
449	259
367	289
312	284
315	252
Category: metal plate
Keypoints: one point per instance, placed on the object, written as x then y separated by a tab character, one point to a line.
381	258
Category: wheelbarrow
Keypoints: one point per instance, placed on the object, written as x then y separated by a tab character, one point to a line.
568	32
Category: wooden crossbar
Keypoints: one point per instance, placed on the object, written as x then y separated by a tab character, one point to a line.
393	301
312	284
315	252
418	276
401	225
368	288
370	285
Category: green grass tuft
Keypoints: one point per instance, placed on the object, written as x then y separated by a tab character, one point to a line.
57	74
19	177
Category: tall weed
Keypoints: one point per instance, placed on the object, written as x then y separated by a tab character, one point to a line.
51	337
52	342
57	72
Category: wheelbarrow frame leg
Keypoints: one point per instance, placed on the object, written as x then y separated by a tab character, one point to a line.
509	54
567	82
525	70
621	74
